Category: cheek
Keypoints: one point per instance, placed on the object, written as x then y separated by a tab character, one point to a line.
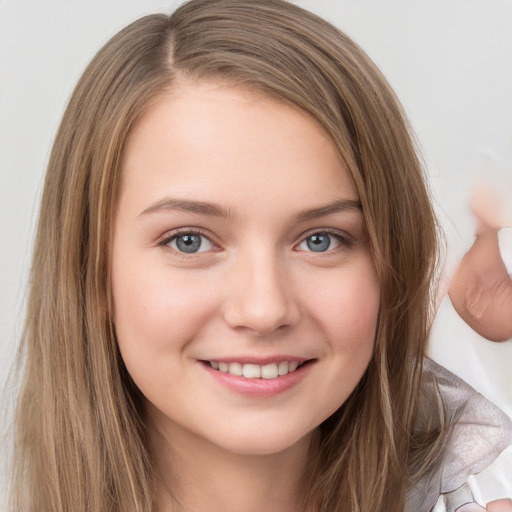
346	304
156	308
345	308
157	314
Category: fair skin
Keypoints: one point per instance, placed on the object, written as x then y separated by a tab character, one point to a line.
481	289
239	245
503	505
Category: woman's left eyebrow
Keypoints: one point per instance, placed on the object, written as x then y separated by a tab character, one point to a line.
339	206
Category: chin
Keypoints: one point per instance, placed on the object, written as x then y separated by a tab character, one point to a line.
265	442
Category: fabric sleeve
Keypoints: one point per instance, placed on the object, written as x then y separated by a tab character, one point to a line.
479	434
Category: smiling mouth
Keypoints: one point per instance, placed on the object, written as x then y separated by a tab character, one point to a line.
256	371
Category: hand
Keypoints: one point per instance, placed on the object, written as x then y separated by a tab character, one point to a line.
504	505
488	209
481	289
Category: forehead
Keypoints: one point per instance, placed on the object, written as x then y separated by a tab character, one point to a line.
210	138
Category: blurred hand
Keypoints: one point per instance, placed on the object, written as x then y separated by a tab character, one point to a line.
485	205
504	505
481	289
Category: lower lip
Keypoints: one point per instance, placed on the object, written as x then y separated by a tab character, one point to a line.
259	388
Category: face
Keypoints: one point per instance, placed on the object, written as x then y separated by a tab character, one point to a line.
245	295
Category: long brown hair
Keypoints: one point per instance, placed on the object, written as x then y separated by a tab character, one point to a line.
80	437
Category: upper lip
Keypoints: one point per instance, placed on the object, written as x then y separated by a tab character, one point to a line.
258	360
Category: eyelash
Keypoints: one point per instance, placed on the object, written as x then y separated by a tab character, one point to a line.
168	238
344	240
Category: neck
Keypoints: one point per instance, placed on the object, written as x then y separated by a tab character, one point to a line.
196	476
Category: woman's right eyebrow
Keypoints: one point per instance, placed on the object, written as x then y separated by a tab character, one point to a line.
186	205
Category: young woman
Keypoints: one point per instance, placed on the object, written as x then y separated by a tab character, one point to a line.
232	282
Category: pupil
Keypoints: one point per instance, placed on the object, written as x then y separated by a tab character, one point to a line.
318	243
188	243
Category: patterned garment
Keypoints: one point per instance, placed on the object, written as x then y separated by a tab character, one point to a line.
480	434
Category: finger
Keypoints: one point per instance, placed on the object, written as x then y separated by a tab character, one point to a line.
485	205
503	505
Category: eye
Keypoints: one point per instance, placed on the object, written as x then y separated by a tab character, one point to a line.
190	243
320	242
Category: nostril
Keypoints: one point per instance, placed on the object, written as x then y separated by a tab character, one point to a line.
261	298
261	318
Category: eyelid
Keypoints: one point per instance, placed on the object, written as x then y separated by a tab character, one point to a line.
166	238
345	239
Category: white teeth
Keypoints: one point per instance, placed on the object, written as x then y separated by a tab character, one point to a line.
256	371
236	369
269	371
283	368
252	371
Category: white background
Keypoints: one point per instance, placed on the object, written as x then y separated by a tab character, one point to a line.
450	62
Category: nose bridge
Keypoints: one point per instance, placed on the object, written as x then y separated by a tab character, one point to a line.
261	297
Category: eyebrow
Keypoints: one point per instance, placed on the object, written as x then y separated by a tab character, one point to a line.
185	205
340	206
206	208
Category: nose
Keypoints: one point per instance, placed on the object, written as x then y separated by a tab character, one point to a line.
261	297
